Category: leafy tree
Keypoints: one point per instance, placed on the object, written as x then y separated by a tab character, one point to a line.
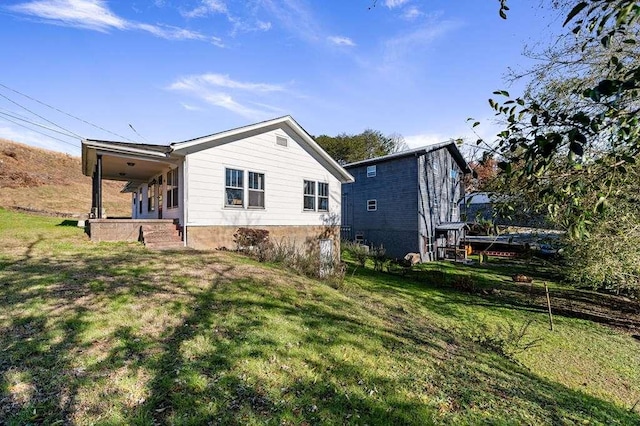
346	148
572	141
483	172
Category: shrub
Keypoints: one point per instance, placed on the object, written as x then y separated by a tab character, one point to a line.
507	341
359	252
379	257
254	241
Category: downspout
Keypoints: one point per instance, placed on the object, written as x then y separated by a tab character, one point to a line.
185	199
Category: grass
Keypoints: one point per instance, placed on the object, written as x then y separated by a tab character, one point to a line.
113	333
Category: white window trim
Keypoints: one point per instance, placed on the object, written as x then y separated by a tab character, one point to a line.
169	184
245	189
263	190
372	171
318	196
242	188
315	195
375	205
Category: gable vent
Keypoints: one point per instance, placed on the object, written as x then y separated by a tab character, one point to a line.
282	141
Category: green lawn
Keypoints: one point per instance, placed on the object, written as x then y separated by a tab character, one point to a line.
112	334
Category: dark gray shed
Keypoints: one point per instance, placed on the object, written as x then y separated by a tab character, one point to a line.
398	200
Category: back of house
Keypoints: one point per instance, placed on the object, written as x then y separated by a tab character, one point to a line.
270	175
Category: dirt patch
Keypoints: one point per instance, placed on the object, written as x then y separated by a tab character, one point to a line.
615	311
48	182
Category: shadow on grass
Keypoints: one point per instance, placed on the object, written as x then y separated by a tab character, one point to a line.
125	336
68	222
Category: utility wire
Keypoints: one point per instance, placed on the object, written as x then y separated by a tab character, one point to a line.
42	133
66	113
39	116
136	132
15	117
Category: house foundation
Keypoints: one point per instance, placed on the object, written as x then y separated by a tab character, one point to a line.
120	229
304	237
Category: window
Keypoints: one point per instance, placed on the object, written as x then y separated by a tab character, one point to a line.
140	202
151	197
371	171
323	197
234	188
372	205
256	190
309	195
172	189
282	141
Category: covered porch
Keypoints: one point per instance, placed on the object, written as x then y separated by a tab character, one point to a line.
449	236
149	173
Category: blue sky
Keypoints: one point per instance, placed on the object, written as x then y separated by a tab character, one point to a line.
175	70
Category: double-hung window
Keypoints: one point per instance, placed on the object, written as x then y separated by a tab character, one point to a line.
316	194
256	190
323	197
309	195
151	197
234	188
172	189
371	171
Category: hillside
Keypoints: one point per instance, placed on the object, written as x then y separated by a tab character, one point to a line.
52	182
112	333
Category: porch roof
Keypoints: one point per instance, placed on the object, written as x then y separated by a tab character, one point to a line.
451	226
123	161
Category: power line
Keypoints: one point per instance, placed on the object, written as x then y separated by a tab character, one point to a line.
136	132
65	113
39	116
42	133
37	124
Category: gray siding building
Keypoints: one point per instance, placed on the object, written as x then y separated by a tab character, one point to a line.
406	202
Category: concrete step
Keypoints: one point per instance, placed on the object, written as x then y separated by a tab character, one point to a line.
160	236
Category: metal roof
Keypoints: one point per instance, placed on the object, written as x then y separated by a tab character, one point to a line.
449	145
164	149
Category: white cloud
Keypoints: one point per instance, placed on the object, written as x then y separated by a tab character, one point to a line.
341	41
189	107
263	26
222	91
95	15
295	16
222	80
424	139
176	33
392	4
411	13
206	8
90	14
397	49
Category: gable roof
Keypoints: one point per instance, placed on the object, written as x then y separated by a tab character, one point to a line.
312	147
176	150
416	152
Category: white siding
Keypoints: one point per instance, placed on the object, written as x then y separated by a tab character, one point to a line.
285	169
173	213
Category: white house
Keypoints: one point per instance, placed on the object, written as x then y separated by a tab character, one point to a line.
270	175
